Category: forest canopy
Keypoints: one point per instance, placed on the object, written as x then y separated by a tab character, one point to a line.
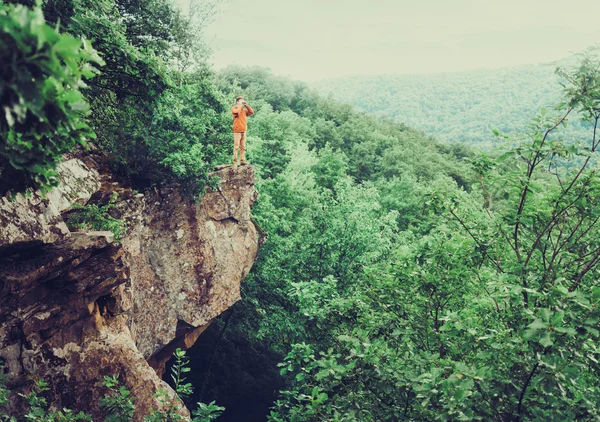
405	279
461	106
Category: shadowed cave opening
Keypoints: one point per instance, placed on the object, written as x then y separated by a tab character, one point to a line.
231	370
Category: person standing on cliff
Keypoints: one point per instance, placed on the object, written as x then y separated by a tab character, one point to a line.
240	110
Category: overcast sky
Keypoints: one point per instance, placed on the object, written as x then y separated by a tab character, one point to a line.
315	39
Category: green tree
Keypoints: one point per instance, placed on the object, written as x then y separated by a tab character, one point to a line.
41	95
492	314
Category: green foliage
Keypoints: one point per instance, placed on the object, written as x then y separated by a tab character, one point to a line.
161	126
417	281
37	407
181	367
170	410
118	403
458	107
491	314
96	217
167	413
4	398
260	84
41	82
207	412
157	124
331	182
188	133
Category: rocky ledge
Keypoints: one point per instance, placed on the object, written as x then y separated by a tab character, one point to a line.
76	306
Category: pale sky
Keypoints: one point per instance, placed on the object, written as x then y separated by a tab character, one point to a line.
315	39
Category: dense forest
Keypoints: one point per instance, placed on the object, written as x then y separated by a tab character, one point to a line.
462	106
402	279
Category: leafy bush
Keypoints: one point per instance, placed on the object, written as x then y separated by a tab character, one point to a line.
38	408
188	134
118	402
43	108
204	412
96	217
4	398
207	412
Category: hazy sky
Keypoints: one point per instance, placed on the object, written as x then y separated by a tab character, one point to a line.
314	39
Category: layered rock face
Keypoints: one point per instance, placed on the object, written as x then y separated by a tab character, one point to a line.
76	306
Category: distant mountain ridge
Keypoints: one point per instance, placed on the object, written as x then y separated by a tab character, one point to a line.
460	106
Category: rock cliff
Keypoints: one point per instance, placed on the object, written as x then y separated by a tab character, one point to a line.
75	306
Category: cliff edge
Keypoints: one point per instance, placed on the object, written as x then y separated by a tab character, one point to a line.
76	306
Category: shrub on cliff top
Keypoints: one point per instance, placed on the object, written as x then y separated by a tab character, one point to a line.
96	217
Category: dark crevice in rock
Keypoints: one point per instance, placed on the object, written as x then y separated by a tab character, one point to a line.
35	295
107	305
21	250
232	220
186	338
183	328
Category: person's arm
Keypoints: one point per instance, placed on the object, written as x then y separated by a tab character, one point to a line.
250	112
235	110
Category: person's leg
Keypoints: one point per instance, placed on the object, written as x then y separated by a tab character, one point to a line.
243	149
236	144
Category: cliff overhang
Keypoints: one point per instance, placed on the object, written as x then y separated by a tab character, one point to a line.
76	306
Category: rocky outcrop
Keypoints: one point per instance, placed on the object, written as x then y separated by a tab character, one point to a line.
76	306
187	260
37	216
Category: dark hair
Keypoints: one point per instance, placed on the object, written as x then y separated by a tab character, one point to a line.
238	98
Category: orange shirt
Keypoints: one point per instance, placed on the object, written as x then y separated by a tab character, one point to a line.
239	117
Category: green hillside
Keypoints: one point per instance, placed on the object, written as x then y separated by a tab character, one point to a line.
456	107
